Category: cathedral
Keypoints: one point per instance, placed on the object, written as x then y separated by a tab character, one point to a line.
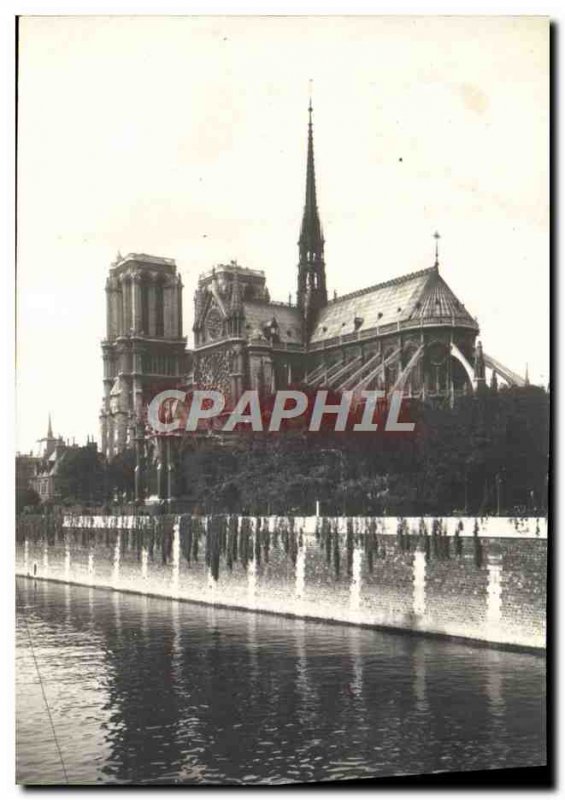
409	334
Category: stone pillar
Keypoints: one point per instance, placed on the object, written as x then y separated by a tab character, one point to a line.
119	306
179	306
112	318
151	306
109	309
137	391
419	583
127	297
169	311
159	298
136	302
123	313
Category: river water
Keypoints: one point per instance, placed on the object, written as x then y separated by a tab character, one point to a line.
145	690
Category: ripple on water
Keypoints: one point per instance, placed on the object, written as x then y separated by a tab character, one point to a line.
185	694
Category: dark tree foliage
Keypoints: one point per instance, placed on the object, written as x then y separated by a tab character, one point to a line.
120	474
81	476
26	498
487	454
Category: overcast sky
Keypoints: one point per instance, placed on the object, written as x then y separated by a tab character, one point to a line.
186	138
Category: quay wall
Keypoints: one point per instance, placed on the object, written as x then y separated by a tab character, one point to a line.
480	579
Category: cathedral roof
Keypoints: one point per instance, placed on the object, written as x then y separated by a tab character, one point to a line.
260	315
417	297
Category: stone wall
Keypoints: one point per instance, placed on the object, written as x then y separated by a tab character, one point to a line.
478	579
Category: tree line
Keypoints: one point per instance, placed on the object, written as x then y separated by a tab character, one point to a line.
488	454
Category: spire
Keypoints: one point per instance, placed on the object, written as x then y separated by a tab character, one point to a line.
311	241
49	428
527	376
312	293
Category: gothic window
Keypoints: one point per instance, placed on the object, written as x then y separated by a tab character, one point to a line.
214	324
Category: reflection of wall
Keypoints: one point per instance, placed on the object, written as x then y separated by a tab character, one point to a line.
438	578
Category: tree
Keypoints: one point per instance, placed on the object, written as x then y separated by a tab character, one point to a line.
81	475
26	498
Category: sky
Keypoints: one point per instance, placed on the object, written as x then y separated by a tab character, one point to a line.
185	137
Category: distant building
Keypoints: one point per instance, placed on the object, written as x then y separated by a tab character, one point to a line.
43	470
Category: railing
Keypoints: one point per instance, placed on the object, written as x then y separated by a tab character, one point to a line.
294	346
279	303
392	327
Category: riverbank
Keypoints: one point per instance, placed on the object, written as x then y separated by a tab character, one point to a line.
482	580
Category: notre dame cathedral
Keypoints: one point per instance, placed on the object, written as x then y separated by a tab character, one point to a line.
410	333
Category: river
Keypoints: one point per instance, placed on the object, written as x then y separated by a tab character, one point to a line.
143	690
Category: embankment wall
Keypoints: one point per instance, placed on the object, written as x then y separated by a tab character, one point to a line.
481	579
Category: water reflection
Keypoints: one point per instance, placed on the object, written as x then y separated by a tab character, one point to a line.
144	690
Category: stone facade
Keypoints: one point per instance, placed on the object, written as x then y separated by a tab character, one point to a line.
144	350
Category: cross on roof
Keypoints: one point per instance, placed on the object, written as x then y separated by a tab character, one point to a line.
437	237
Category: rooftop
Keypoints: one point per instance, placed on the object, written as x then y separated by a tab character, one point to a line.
421	297
144	258
233	267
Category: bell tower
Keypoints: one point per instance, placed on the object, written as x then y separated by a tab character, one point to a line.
144	350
